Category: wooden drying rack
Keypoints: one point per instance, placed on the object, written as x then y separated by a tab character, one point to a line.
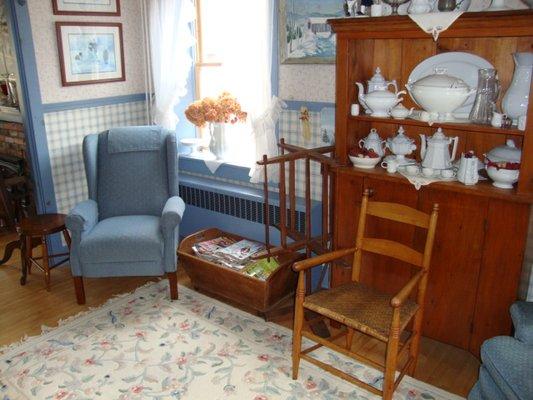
292	240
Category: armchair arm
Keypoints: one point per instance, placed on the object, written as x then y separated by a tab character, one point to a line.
404	293
172	213
324	258
83	217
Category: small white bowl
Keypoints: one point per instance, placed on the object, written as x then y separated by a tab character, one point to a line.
503	178
365	163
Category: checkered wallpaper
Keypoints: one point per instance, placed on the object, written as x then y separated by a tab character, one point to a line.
65	131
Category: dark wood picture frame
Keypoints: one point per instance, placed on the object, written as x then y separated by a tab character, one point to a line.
88	13
64	80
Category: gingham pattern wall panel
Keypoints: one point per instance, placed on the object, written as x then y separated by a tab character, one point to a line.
290	129
65	131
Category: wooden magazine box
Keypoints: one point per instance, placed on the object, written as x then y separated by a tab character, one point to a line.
260	295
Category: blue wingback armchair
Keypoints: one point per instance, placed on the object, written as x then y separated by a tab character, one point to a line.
506	372
129	224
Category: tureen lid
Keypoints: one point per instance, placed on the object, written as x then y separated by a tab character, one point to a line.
442	80
508	153
400	137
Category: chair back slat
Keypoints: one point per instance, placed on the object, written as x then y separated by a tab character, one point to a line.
393	249
399	213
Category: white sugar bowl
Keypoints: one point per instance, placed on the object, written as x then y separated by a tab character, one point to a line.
401	112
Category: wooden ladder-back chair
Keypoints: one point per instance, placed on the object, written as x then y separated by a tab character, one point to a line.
362	308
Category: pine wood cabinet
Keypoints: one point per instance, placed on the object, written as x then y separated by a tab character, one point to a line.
482	230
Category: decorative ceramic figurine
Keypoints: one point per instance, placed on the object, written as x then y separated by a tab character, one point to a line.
435	151
373	142
401	146
516	99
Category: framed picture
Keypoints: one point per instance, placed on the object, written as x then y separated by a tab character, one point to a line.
90	52
86	7
304	35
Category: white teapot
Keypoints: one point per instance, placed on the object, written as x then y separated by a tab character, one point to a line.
373	142
435	151
379	102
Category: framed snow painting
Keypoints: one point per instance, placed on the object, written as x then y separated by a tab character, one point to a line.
86	7
90	52
304	35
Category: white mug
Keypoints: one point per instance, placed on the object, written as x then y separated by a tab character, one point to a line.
497	119
391	166
427	172
354	110
376	10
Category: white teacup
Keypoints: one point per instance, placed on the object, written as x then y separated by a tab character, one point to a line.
390	166
376	10
497	119
427	172
446	173
412	169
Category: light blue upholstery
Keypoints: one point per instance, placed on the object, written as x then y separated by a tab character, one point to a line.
507	362
129	225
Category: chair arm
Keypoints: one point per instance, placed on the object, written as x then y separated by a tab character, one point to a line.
172	213
324	258
83	217
404	293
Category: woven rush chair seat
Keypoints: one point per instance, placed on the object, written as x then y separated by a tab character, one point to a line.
360	307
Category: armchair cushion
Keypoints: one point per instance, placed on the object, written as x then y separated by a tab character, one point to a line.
509	363
133	238
522	315
83	217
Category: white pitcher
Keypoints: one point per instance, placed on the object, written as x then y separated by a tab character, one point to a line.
516	99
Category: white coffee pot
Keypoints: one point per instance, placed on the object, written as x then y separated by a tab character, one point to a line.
373	142
435	150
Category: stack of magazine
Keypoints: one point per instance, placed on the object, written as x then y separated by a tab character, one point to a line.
237	255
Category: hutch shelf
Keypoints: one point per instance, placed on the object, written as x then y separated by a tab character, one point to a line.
482	230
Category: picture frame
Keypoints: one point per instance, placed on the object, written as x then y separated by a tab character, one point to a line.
304	35
87	7
90	52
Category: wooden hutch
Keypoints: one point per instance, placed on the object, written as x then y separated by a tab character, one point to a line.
482	230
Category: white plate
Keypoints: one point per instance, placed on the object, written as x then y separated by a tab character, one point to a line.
458	64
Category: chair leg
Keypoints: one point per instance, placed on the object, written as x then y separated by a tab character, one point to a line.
28	253
173	283
46	263
298	324
80	290
390	364
349	338
415	343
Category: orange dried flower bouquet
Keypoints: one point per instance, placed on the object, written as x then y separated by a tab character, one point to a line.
224	109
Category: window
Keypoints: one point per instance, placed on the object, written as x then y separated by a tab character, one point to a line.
234	54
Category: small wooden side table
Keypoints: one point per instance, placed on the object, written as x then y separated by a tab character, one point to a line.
33	231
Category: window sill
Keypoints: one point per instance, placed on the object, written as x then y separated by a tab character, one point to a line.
226	170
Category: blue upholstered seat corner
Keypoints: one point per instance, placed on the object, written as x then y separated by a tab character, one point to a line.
129	225
506	372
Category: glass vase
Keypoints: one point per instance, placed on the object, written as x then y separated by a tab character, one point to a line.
488	89
218	145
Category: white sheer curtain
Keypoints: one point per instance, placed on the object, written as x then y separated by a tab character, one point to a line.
239	34
171	40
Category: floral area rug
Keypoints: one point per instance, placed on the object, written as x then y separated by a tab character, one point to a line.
143	346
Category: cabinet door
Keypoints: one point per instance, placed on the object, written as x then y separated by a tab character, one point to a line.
380	272
455	264
503	254
348	192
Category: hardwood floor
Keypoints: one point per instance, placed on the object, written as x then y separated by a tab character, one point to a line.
24	309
